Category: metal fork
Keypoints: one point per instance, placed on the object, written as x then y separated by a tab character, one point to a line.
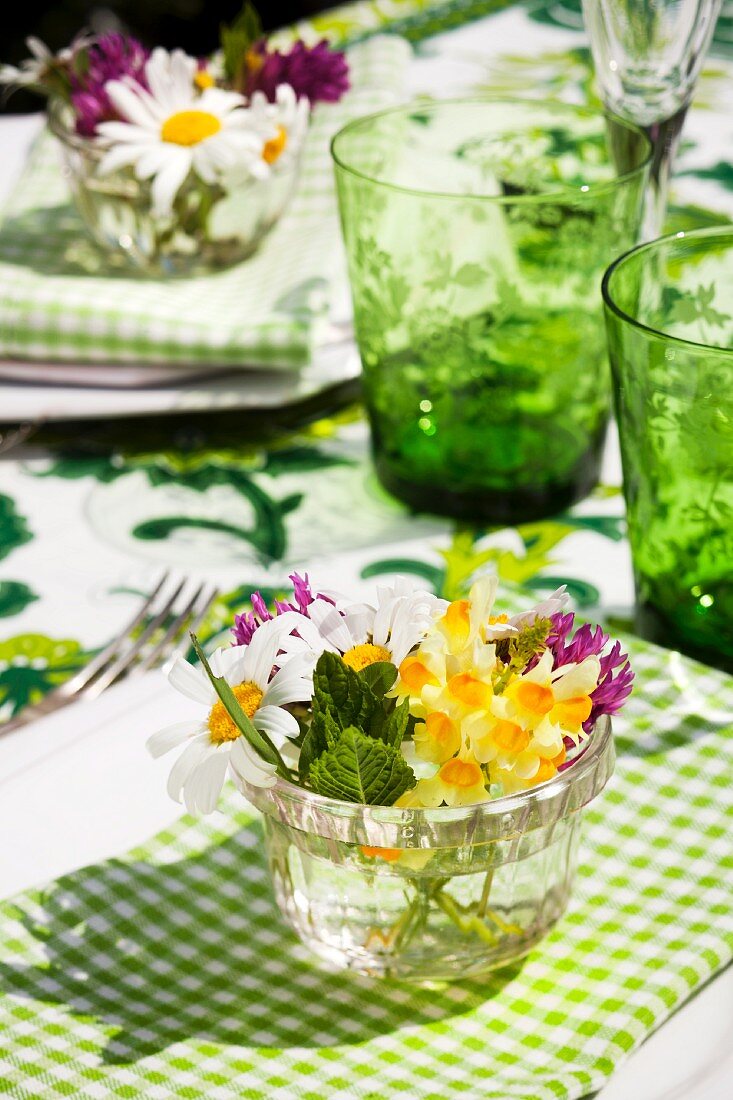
131	653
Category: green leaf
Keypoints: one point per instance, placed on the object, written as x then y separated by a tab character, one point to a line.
360	769
396	725
14	598
380	676
322	734
343	690
259	741
237	39
470	275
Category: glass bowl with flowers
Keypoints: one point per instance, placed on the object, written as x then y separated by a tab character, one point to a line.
421	767
179	164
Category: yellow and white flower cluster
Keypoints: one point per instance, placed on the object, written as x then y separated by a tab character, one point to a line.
481	721
183	124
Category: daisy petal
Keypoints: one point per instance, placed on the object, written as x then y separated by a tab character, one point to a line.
166	739
203	786
276	721
249	766
120	156
191	682
168	181
191	756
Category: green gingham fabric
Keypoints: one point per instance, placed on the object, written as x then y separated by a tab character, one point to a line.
267	311
168	973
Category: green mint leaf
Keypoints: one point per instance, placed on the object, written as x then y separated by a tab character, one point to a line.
396	726
322	734
361	769
380	676
260	742
343	691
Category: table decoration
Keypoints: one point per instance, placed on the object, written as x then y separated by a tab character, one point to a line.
476	232
670	335
175	163
390	750
59	301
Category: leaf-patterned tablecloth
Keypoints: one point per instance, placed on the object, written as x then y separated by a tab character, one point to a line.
160	972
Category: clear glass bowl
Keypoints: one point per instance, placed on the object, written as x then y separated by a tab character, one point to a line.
209	228
429	895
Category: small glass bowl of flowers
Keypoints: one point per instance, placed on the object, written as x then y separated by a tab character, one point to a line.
420	766
180	164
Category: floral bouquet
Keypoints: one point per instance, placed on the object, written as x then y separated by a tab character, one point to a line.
176	161
420	766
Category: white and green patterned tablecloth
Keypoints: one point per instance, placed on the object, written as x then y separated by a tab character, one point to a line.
166	972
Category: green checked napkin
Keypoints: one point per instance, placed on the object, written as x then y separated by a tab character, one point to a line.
268	311
169	974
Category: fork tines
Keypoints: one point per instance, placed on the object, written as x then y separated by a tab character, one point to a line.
159	628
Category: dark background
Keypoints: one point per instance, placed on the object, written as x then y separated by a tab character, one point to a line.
191	24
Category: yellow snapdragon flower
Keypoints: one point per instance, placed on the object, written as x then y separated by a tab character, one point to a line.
460	781
437	738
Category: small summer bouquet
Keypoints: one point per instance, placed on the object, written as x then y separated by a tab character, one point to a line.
177	158
434	722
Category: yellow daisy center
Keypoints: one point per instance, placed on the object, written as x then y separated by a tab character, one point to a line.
190	127
461	773
274	147
203	79
361	656
221	726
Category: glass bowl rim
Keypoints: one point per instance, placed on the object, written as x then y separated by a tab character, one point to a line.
710	231
552	197
496	819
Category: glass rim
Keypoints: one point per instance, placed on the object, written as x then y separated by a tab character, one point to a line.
562	194
504	818
710	231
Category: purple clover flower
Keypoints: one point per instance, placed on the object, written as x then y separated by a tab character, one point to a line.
317	72
616	677
247	623
109	57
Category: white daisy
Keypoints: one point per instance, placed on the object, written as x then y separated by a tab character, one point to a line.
176	128
365	635
33	70
289	117
213	743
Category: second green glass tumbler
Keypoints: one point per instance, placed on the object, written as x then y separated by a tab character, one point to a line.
477	232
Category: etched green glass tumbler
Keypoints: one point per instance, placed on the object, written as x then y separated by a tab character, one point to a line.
669	315
477	232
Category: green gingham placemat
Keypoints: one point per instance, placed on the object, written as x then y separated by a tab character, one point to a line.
267	311
169	974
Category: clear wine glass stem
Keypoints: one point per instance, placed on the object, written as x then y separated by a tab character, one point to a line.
648	55
664	136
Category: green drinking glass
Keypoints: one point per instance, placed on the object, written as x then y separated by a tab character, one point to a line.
669	316
477	232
